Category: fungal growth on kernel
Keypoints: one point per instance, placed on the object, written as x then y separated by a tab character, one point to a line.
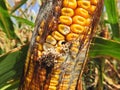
60	43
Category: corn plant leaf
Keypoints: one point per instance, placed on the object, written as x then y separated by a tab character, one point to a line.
23	20
11	66
18	5
11	86
103	47
5	22
111	9
17	18
113	19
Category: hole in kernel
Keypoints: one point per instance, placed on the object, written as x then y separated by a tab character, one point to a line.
63	42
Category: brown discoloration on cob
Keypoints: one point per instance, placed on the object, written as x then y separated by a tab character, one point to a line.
60	44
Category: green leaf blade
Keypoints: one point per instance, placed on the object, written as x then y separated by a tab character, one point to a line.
5	21
11	65
103	47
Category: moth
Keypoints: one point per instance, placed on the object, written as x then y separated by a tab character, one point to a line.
60	44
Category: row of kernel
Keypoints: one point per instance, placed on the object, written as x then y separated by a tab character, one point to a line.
64	85
56	74
69	20
90	7
54	79
66	20
78	22
54	82
65	76
67	14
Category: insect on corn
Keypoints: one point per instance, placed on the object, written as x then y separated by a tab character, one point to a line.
59	45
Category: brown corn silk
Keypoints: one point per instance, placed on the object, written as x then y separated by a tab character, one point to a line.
60	43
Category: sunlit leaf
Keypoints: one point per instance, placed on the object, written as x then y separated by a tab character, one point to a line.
5	22
111	9
112	13
103	47
11	66
23	20
18	5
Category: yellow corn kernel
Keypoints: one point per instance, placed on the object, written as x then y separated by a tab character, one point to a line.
43	72
64	29
57	71
76	44
58	49
37	39
79	20
53	82
40	47
51	40
67	12
42	78
92	9
75	79
66	20
61	59
67	76
82	12
28	79
42	23
76	28
71	36
55	77
79	64
84	4
72	86
47	46
33	86
52	87
57	8
88	21
94	2
63	87
74	50
40	31
39	54
70	3
57	35
46	86
78	69
66	80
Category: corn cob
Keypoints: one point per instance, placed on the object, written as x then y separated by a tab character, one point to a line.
60	44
